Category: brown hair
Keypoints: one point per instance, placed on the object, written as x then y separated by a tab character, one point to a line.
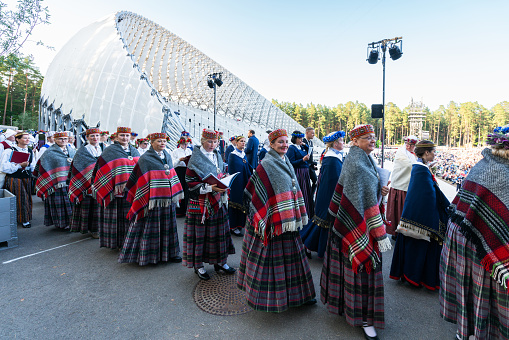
423	146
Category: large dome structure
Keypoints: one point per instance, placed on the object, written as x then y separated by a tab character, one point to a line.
126	70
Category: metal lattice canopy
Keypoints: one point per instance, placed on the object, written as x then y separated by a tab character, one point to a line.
126	70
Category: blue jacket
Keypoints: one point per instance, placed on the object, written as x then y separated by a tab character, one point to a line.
295	156
251	151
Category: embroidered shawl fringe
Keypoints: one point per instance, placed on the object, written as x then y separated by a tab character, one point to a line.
421	231
119	189
237	206
321	222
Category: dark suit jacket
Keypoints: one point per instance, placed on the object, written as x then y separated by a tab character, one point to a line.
309	143
251	151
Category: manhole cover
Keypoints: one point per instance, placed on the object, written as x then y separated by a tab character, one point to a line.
220	296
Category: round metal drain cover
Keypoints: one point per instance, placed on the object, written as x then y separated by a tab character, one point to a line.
220	296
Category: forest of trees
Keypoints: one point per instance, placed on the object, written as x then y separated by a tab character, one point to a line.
20	90
457	124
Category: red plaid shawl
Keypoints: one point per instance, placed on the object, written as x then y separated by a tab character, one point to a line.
358	223
273	213
149	186
80	176
481	209
111	173
52	171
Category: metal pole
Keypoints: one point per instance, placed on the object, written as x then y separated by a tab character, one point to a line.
383	103
215	87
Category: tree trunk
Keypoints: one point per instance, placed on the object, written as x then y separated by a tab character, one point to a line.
7	96
26	94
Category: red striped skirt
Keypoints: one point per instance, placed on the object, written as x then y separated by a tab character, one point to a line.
22	189
395	203
277	276
152	239
359	296
57	209
468	295
85	216
207	243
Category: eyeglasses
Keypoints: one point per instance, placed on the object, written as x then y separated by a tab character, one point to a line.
369	138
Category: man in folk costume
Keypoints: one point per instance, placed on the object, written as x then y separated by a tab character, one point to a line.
153	191
85	214
52	171
18	180
474	266
110	176
352	280
400	178
207	231
6	144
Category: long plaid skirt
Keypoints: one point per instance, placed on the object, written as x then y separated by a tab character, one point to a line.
85	216
57	209
152	239
181	173
395	203
304	181
277	276
359	296
22	189
114	224
210	242
468	295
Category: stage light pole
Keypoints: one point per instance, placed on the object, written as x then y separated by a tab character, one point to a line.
215	80
395	53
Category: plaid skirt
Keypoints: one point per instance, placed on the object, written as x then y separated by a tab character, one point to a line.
277	276
304	181
152	239
468	295
57	209
210	242
395	203
114	224
22	189
359	296
85	216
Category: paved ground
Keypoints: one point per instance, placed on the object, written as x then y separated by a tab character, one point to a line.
79	291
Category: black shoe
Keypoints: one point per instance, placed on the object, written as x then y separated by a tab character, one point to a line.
308	254
175	259
27	225
310	302
219	268
205	276
236	232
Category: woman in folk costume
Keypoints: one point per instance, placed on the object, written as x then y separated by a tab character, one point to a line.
179	156
238	163
316	233
298	156
85	210
9	141
52	171
103	143
207	232
422	227
474	266
142	145
110	176
274	271
18	180
400	178
352	281
230	148
153	191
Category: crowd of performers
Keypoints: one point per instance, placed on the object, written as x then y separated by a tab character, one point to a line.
129	197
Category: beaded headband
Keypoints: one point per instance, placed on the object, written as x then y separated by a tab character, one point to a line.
499	139
298	135
21	133
276	134
411	139
209	134
232	138
184	140
105	133
113	135
158	135
141	140
60	135
331	137
361	130
92	131
123	129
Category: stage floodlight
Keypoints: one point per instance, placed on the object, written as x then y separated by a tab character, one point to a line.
373	57
210	83
395	52
217	80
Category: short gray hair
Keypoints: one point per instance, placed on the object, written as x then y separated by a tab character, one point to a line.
310	128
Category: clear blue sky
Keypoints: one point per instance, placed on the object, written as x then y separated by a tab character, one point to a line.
315	51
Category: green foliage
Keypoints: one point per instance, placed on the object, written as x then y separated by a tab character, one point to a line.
465	124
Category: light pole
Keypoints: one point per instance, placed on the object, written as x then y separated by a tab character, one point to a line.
395	53
213	82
